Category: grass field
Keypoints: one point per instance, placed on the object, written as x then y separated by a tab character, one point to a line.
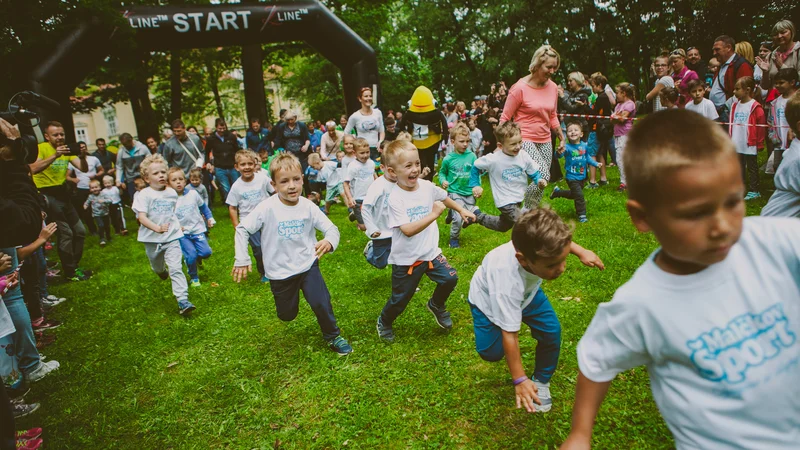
136	375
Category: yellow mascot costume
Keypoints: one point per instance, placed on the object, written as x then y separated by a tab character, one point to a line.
427	126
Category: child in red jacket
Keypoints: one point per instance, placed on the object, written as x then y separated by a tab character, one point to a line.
746	116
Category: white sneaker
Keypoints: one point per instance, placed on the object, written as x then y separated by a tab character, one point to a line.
544	396
51	300
42	371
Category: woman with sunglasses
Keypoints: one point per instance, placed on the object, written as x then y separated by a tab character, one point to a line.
663	80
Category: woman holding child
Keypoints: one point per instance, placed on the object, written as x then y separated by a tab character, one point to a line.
532	103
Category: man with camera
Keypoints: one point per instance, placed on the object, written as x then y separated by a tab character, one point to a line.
50	176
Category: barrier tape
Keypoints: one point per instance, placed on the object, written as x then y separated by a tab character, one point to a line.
590	116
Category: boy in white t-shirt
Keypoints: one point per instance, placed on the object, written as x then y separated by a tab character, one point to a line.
252	188
700	104
194	215
786	84
413	207
506	292
160	230
331	173
358	176
115	210
375	212
509	170
714	314
785	201
287	224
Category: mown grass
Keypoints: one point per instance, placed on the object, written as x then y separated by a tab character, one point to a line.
136	375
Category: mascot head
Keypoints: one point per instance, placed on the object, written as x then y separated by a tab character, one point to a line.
422	100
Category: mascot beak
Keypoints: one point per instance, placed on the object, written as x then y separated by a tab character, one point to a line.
422	100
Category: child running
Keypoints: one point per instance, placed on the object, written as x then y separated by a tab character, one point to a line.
700	104
506	291
331	173
509	170
99	204
247	192
786	199
376	216
160	230
746	114
358	176
454	176
196	184
622	119
414	205
115	208
287	224
576	160
194	244
714	314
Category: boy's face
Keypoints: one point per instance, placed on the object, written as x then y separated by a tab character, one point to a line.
472	124
289	184
157	176
574	133
339	155
263	155
698	93
460	143
783	86
597	89
195	180
177	181
348	146
390	128
362	154
699	219
317	165
406	169
108	183
512	145
94	188
545	268
247	167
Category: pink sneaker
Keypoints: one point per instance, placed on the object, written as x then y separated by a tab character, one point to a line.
27	435
32	444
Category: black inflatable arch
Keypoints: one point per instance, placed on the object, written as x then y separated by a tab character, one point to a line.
194	26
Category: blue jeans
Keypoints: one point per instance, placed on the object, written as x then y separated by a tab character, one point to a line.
39	254
24	341
194	248
545	328
225	179
405	280
255	244
377	252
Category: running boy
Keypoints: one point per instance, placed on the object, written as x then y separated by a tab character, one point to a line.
714	314
247	192
576	160
287	224
331	173
506	291
115	210
509	171
194	244
454	176
99	204
358	176
196	184
414	205
376	216
160	230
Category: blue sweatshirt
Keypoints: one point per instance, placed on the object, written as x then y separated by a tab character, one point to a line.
576	159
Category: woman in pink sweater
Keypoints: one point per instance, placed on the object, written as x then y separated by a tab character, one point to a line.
532	102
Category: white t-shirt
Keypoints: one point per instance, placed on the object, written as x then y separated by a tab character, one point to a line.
374	210
779	119
508	175
785	201
113	194
476	140
721	346
706	109
501	288
410	206
85	177
188	212
246	195
330	173
160	208
360	175
665	81
346	160
741	119
367	127
288	236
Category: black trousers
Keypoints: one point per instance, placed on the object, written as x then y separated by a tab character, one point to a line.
750	170
575	193
287	299
78	198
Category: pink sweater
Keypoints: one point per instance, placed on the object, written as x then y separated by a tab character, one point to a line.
534	109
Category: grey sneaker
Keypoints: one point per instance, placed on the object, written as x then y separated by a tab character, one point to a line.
544	396
384	332
442	316
185	307
42	371
21	409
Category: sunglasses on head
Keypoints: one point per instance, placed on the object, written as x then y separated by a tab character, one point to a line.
690	49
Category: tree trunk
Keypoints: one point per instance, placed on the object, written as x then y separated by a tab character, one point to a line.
254	93
175	85
142	108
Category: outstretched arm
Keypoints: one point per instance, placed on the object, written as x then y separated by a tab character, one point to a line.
587	257
589	396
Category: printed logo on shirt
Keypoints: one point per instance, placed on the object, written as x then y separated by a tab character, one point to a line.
161	207
365	174
369	125
512	173
726	355
780	114
291	229
417	212
184	211
251	196
741	117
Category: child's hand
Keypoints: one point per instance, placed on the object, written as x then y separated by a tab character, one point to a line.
445	184
542	183
163	228
375	235
48	230
438	208
590	259
599	165
526	395
468	217
9	281
351	203
5	262
322	247
240	272
362	227
211	222
425	172
561	150
576	442
477	192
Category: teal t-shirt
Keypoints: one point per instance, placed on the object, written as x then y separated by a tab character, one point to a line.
455	170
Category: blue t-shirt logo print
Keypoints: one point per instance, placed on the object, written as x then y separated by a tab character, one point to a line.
417	212
290	229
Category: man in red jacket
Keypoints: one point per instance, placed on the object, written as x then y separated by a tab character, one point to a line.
732	67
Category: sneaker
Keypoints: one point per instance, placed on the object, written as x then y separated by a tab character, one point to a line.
199	263
163	275
454	243
264	279
27	435
195	283
752	195
384	332
185	307
52	300
442	316
84	272
544	396
21	410
622	188
102	243
368	249
449	219
124	232
42	324
340	346
467	223
582	219
593	185
42	371
29	444
556	190
603	182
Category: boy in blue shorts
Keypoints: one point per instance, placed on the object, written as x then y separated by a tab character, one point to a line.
576	161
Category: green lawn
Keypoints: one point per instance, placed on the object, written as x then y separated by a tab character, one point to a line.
136	375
